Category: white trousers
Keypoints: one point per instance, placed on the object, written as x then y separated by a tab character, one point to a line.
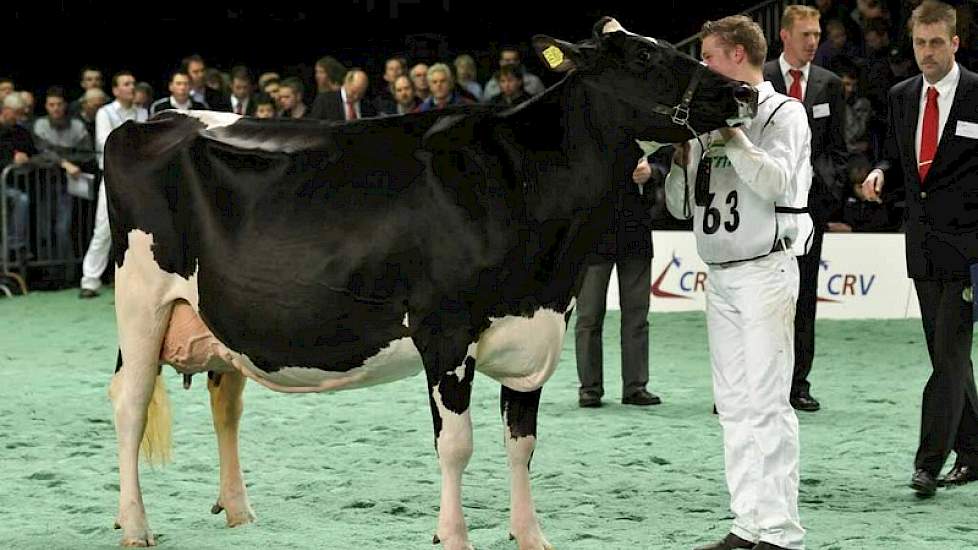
97	256
750	320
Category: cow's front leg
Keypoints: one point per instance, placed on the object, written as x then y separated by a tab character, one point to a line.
519	411
226	405
450	374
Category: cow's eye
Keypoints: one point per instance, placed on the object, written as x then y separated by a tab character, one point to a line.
644	57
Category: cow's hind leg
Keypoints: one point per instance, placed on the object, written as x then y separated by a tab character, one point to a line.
141	410
226	405
450	367
519	411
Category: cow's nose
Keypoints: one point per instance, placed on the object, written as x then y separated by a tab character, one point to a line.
745	94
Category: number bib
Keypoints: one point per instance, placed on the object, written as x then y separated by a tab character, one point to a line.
733	223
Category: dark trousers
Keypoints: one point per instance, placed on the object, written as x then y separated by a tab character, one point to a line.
808	266
949	414
634	282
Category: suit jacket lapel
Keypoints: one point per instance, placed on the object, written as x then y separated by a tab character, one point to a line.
814	89
961	97
777	79
909	130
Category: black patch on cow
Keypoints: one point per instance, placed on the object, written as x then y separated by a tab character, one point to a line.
519	410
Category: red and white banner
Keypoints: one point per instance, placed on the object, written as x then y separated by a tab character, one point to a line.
862	276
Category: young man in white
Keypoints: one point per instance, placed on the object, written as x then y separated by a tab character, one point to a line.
748	196
107	119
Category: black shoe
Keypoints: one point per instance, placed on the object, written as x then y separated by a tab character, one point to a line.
805	402
87	293
641	398
768	546
959	475
729	542
589	399
923	483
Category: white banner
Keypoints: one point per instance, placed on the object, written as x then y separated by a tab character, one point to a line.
862	276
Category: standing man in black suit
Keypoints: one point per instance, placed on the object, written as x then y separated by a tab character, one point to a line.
821	92
348	103
932	153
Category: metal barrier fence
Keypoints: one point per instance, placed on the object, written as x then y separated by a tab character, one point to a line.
766	14
42	225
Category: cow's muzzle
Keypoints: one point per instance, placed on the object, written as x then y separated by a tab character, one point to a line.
746	98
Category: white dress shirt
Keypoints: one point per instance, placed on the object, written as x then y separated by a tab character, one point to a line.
945	98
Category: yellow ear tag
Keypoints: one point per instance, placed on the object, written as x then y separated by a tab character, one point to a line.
554	56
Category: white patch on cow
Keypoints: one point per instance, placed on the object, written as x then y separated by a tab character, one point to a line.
522	352
460	372
454	451
214	119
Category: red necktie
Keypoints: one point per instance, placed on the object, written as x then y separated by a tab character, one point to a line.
795	90
351	113
928	135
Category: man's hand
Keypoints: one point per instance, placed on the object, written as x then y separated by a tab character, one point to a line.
681	154
873	185
642	172
71	169
729	133
21	157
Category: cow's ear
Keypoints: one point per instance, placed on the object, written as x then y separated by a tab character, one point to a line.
557	55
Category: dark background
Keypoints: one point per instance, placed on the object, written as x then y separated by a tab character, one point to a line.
51	40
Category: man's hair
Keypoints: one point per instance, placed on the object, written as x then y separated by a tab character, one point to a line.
55	91
93	93
14	101
441	68
118	75
511	48
87	68
145	88
6	79
177	72
294	83
195	58
351	74
240	72
334	69
932	11
262	98
795	12
515	71
739	30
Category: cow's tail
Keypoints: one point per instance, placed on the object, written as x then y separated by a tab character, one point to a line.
157	442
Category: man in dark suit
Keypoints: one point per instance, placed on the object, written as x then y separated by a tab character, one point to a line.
931	153
348	103
242	90
179	97
822	94
626	244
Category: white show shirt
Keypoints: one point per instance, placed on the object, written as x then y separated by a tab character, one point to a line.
945	98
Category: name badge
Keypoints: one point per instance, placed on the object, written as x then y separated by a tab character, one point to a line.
821	110
967	129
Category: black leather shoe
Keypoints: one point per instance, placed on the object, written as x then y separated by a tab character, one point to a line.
805	402
959	475
589	400
641	398
923	483
768	546
729	542
87	293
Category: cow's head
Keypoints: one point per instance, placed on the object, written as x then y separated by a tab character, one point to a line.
665	94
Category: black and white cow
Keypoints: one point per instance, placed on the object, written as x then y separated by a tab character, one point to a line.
314	257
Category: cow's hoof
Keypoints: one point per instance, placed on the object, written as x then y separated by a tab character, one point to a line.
532	542
452	546
138	542
240	518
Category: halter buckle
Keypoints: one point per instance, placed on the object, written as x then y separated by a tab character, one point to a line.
680	115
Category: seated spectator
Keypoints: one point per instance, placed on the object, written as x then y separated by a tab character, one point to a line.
241	91
837	44
290	99
27	116
265	78
16	147
63	142
405	101
348	103
465	74
511	56
419	77
859	214
6	86
143	95
510	78
878	74
217	81
265	106
330	75
442	86
271	87
179	98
